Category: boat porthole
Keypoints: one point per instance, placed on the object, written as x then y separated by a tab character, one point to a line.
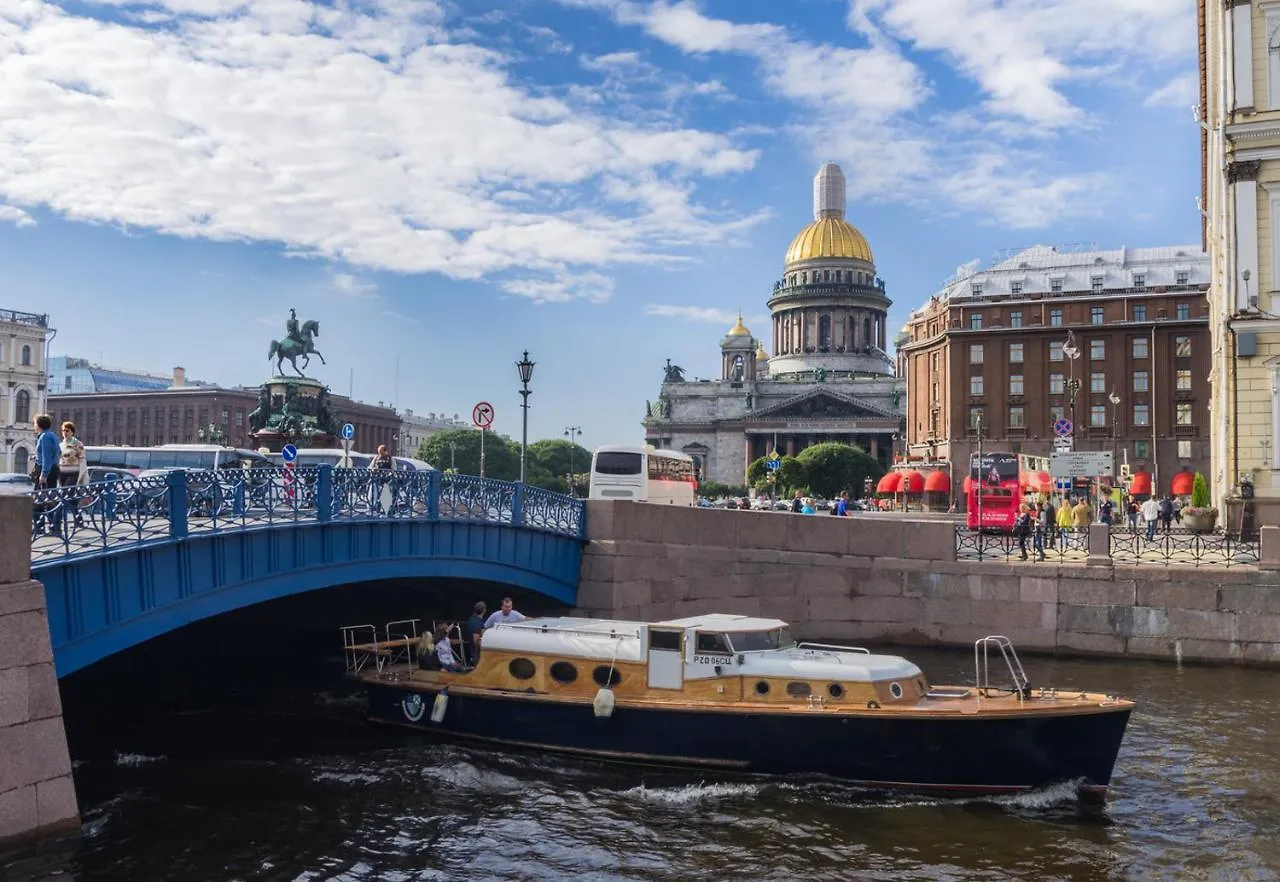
762	687
604	675
563	672
798	690
835	690
895	689
522	668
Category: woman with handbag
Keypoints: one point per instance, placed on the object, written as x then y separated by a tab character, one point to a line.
71	468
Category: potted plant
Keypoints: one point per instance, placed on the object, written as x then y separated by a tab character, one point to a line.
1199	515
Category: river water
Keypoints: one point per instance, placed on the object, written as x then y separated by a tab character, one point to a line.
278	777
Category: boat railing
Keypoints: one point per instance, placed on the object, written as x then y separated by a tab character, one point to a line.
359	647
400	644
982	666
831	647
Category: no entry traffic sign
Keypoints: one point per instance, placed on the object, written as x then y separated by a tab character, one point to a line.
482	415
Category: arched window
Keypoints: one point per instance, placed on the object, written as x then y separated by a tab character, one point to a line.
26	356
866	332
22	408
20	457
824	331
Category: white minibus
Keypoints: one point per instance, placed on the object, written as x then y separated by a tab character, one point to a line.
643	474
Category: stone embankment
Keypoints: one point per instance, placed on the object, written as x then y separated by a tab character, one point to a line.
893	580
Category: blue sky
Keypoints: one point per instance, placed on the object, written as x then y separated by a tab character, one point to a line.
604	183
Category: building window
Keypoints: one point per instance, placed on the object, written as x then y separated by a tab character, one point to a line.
1139	347
975	287
1141	450
1057	384
1095	284
66	382
933	361
1055	318
1184	450
239	418
1055	350
1182	347
1140	312
1015	287
146	420
1139	281
1015	319
1017	418
1098	415
975	353
1141	381
975	321
1182	413
824	332
1183	381
1015	384
1097	382
22	412
1055	286
1097	350
1095	315
975	385
1181	277
1142	414
975	417
1183	311
1015	353
1056	412
93	418
26	356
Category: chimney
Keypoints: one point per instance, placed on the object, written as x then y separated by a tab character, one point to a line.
179	377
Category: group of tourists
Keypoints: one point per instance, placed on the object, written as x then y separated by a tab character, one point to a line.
436	649
58	462
1046	526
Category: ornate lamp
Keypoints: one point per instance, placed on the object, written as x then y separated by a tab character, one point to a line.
525	368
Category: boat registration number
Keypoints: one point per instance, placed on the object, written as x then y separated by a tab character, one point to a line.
711	659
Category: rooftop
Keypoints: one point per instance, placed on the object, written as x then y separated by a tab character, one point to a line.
13	316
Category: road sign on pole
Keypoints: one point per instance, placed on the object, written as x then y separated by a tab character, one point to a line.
1062	427
288	453
348	431
773	464
482	415
1089	464
1064	445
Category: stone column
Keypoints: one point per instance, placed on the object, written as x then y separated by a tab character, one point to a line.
36	790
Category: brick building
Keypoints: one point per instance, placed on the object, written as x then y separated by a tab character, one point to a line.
182	414
994	348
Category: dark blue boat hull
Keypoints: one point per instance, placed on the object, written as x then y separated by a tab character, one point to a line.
952	754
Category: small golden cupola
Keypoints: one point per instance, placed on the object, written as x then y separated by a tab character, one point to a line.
738	353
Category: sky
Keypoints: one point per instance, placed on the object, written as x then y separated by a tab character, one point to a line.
603	183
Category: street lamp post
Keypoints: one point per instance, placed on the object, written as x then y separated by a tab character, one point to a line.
525	368
572	433
453	456
1115	426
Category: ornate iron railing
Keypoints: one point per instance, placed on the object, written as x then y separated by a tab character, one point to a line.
1183	547
1060	545
131	511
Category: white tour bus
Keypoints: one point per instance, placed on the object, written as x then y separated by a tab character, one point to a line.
643	474
138	460
312	456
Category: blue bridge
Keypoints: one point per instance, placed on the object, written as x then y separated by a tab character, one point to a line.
123	561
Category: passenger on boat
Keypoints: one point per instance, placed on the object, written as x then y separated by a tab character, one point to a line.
505	616
444	651
475	627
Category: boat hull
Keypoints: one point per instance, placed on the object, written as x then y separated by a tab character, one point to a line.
953	754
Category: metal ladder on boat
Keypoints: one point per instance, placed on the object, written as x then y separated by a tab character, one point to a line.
982	667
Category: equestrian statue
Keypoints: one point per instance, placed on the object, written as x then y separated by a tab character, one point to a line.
298	343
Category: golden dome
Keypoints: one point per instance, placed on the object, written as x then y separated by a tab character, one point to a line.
761	355
829	237
739	330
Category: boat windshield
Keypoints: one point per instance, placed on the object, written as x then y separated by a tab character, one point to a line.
755	641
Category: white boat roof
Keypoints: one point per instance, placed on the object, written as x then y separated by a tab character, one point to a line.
570	636
723	622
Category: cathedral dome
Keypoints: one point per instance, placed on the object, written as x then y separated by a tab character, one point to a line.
739	330
829	237
761	355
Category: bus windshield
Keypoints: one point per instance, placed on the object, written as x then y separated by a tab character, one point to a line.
614	463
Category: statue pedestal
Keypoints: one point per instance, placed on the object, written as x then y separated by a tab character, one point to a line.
293	410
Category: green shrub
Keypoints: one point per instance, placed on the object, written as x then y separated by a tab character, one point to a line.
1199	492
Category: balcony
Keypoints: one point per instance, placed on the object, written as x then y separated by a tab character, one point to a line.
1185	431
24	318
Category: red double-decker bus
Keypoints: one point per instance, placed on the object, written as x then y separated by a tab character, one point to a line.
997	486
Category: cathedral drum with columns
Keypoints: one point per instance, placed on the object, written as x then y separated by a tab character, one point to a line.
829	378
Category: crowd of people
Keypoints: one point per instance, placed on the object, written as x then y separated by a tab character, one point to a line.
453	646
1046	526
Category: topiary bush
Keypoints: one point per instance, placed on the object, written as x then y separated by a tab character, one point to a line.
1199	492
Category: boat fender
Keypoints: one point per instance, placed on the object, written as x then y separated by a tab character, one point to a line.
873	704
603	703
439	706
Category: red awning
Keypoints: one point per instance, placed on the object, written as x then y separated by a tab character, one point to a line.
937	482
889	483
1140	484
1182	483
912	482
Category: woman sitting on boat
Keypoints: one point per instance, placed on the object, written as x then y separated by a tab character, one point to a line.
444	651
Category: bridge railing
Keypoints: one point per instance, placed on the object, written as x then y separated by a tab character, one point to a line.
129	511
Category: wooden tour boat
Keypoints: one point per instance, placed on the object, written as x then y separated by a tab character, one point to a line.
739	694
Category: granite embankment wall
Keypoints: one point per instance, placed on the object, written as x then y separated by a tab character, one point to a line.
891	580
36	791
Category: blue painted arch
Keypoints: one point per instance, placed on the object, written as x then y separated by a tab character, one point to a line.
102	603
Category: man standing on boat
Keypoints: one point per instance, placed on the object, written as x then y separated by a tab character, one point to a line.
505	616
475	627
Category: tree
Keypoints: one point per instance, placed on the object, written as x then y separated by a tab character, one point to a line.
461	448
716	490
1199	492
555	458
790	476
831	468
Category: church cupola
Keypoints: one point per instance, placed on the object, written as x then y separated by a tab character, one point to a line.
738	353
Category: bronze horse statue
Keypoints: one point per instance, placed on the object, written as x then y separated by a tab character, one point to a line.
294	348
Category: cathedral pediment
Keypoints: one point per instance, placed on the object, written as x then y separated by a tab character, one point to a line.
819	405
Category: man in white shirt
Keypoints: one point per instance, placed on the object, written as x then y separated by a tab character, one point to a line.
1151	514
504	616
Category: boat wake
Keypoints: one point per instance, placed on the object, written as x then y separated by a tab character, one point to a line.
133	760
692	794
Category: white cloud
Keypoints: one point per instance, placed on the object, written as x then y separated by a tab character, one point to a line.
352	132
14	215
352	286
1179	93
710	315
562	287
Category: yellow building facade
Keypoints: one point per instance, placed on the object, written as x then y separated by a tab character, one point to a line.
1239	115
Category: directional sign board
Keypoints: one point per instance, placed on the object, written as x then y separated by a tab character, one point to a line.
348	431
1089	464
288	453
1062	427
482	415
